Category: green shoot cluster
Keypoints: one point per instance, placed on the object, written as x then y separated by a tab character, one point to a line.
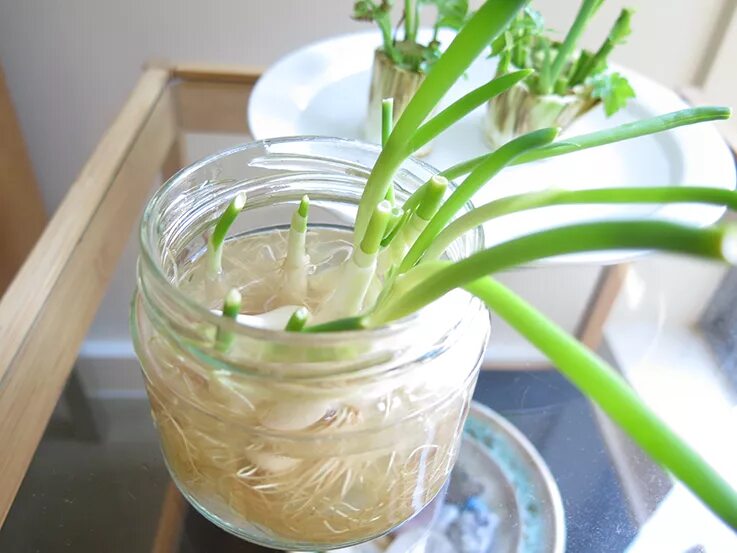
560	67
405	51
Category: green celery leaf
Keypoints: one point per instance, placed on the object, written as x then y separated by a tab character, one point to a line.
452	14
502	43
613	89
365	10
531	21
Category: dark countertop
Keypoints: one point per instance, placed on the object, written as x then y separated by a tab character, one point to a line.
87	493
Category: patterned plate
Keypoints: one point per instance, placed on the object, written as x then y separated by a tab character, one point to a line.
501	499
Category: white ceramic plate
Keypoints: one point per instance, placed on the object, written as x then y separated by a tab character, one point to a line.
322	89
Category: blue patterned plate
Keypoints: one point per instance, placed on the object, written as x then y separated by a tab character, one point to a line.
501	498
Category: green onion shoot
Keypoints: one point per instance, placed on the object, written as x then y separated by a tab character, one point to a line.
566	50
360	269
231	309
402	60
609	391
565	81
418	219
626	131
217	238
406	52
548	198
298	320
296	261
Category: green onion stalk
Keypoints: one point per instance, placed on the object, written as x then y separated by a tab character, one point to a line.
387	123
415	223
294	287
360	270
400	249
231	309
566	81
216	241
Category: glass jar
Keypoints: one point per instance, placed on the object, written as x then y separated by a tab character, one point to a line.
290	440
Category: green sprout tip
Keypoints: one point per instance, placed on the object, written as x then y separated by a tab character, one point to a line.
294	286
396	219
231	310
432	198
377	226
298	320
480	175
304	206
217	238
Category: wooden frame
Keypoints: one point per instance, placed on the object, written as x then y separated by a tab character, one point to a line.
19	194
50	305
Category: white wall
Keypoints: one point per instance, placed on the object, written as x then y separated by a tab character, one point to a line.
71	64
721	83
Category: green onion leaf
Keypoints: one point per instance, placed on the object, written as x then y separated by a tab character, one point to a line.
465	105
546	198
217	238
719	242
600	382
598	62
433	198
377	226
478	178
387	122
393	228
387	113
651	125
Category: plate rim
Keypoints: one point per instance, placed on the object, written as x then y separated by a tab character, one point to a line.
485	412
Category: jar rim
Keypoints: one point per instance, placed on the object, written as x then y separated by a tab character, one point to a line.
147	232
